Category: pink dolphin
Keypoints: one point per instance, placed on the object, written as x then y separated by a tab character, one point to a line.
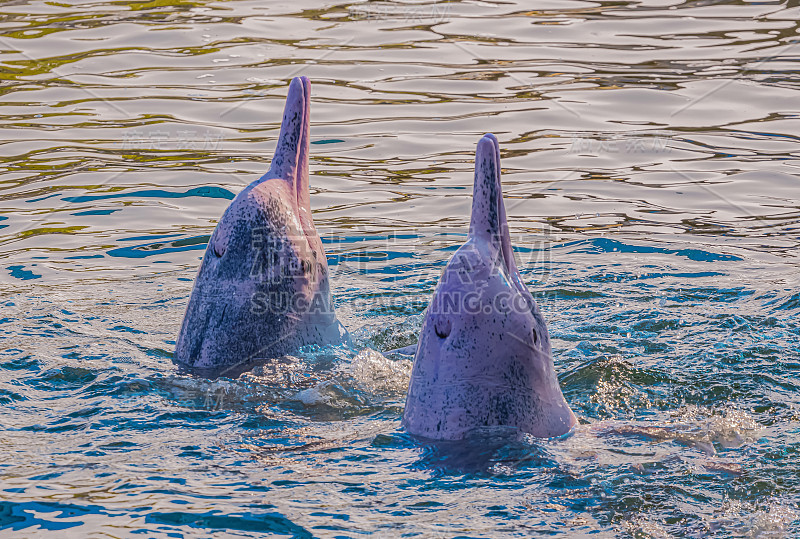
483	358
262	289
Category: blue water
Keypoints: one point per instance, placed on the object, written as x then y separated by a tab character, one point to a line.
650	169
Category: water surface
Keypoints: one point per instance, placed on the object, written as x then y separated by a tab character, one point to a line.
650	167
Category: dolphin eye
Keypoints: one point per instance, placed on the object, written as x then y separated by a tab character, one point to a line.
219	248
442	327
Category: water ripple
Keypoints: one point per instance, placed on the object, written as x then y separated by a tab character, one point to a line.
650	172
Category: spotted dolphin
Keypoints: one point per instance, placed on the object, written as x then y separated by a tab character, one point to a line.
262	290
483	358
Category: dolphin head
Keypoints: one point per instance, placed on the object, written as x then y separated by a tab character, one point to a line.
483	358
262	289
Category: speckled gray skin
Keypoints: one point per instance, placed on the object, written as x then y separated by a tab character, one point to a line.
483	358
262	290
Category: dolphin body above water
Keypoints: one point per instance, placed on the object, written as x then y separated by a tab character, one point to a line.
483	358
262	290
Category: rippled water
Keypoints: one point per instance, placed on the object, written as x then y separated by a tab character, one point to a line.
651	176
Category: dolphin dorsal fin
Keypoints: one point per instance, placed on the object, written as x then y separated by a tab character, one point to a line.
291	154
